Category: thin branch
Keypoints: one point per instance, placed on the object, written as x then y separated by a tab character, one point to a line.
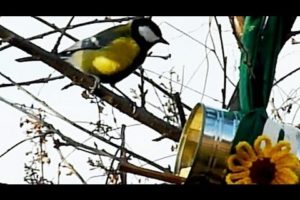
206	48
62	31
224	62
154	84
285	76
186	87
157	56
179	108
70	166
36	81
123	155
111	166
168	177
18	143
206	58
295	41
54	50
82	128
141	87
51	127
189	36
78	145
293	33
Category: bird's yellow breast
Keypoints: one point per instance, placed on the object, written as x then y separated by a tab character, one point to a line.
109	60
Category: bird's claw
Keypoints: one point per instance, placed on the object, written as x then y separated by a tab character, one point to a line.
134	107
96	85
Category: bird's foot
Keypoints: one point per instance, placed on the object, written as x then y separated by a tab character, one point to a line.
134	107
96	84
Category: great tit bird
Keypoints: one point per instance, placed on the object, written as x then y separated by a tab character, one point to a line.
114	53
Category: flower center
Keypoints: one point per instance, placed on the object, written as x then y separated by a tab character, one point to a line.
262	171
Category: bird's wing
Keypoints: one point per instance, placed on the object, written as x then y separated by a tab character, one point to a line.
99	40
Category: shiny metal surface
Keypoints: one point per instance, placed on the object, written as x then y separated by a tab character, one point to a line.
205	143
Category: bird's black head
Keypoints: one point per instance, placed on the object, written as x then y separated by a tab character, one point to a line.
146	32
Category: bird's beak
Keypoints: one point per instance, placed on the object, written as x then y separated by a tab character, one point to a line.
162	40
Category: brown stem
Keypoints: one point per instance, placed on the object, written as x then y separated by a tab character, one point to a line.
168	177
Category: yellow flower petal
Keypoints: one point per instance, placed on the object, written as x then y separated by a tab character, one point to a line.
257	145
286	176
237	167
238	178
279	155
277	181
245	151
289	160
248	161
246	180
282	146
239	175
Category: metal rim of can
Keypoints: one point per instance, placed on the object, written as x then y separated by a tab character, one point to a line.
184	161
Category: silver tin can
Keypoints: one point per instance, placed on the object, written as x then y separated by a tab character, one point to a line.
207	139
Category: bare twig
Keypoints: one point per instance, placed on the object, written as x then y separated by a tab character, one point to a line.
123	155
54	50
70	141
179	108
275	110
18	143
287	75
160	89
168	177
143	92
37	81
157	56
189	36
82	128
206	58
224	62
185	86
111	166
62	31
206	48
293	33
295	41
70	166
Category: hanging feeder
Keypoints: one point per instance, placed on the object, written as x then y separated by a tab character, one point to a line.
205	143
207	139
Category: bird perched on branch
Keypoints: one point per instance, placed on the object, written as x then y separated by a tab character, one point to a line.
114	53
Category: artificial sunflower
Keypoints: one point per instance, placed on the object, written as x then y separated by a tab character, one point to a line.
263	164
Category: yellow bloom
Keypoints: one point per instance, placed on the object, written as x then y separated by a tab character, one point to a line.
263	164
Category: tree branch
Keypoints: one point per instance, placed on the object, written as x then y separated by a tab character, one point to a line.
224	62
87	82
40	80
57	114
285	76
62	31
168	177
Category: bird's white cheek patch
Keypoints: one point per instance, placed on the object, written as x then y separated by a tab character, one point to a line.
148	34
